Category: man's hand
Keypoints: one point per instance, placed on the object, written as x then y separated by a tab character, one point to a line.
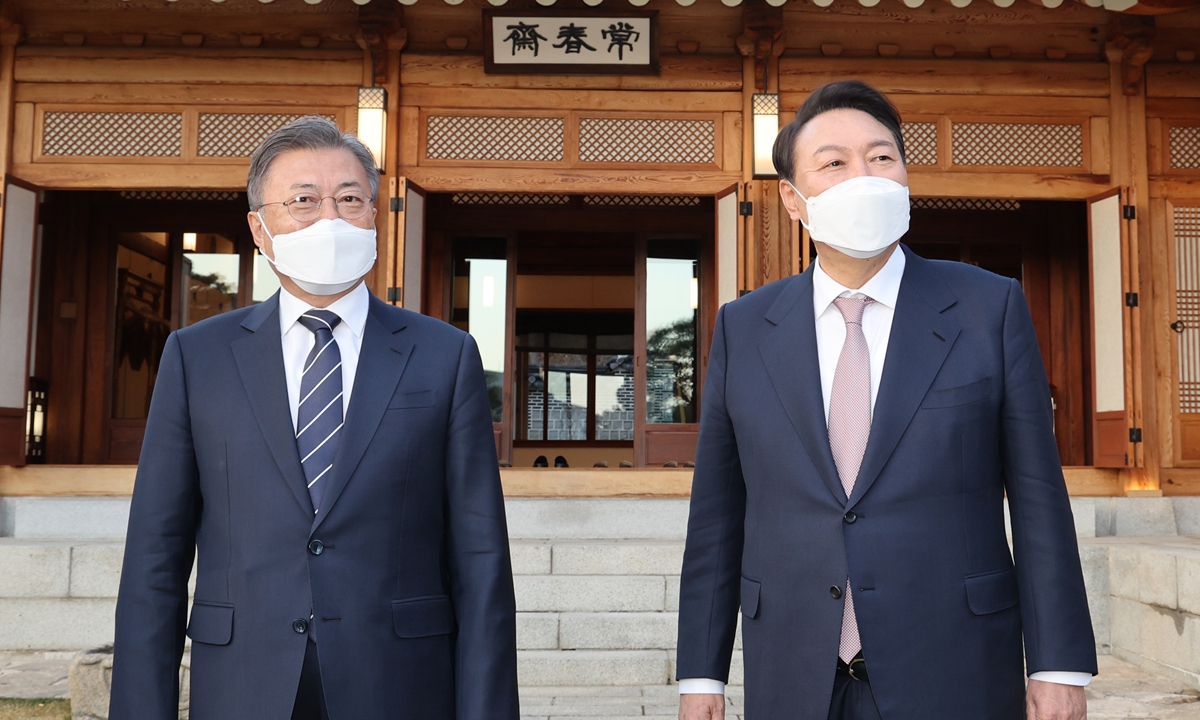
701	707
1049	701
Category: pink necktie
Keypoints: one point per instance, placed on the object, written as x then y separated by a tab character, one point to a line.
849	427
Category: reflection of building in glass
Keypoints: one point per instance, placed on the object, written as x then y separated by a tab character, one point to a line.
616	423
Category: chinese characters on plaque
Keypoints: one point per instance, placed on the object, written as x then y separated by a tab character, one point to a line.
619	44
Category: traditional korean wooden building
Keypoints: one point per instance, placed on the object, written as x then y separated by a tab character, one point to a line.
585	218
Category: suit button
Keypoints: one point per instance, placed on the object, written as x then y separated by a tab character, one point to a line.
835	592
300	625
316	547
849	517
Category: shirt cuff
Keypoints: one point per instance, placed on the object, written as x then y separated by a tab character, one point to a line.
701	686
1078	679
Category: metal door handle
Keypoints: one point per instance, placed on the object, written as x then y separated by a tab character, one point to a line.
1179	326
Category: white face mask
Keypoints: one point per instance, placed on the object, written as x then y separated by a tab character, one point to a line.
326	257
860	217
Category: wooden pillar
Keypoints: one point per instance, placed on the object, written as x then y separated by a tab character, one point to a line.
1128	141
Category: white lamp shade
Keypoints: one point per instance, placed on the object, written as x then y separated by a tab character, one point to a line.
372	121
766	127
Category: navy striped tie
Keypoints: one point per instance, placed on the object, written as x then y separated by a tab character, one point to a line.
319	419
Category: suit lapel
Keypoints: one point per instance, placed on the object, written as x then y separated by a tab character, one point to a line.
384	356
259	358
790	355
921	338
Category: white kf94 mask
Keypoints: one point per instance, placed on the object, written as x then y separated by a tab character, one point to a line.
326	257
861	216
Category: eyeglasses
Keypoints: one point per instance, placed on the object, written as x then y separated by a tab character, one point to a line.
306	208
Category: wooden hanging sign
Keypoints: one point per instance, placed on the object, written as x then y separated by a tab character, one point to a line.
568	42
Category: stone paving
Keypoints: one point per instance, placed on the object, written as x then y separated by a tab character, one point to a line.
1121	692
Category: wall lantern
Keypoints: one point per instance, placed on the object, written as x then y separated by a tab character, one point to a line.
766	127
189	242
372	121
35	421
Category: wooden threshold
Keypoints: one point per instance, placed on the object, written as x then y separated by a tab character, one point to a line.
52	480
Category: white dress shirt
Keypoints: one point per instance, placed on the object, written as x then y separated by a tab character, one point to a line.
298	340
883	288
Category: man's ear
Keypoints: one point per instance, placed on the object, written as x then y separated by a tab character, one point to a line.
795	207
259	233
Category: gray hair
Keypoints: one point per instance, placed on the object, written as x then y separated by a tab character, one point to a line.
311	132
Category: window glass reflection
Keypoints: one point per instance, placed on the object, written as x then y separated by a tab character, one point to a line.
672	294
614	395
142	321
265	281
211	267
480	293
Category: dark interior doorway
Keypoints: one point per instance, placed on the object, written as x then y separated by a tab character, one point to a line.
1044	245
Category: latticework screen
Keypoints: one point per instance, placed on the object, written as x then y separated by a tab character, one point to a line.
509	199
179	195
1187	305
237	134
1185	147
641	200
647	140
920	143
485	137
965	204
1018	144
112	134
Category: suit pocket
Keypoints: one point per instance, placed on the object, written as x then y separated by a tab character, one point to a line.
750	592
423	616
992	592
211	623
419	399
955	396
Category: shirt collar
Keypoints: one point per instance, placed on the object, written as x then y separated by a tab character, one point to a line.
351	308
884	287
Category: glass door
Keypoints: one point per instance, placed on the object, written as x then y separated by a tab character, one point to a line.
668	332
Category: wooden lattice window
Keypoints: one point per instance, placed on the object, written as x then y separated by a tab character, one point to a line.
647	140
495	137
238	134
920	143
509	199
1187	305
965	204
641	200
1018	144
1185	147
112	134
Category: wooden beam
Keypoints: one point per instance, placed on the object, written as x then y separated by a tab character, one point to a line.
161	176
1175	188
615	100
1180	481
643	182
1173	80
186	94
677	72
50	480
961	77
616	482
1031	186
1093	482
189	65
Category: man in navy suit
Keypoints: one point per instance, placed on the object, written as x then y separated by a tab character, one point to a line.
863	423
329	460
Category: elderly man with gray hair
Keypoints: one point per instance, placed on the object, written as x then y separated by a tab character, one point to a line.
328	461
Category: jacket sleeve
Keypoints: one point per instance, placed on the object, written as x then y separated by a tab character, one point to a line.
1054	610
480	569
709	590
159	549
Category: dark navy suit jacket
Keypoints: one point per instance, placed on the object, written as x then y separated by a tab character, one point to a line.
962	417
411	598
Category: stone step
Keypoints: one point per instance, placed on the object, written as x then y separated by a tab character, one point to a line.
597	518
605	667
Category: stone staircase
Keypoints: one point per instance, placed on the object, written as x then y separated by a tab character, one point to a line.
597	582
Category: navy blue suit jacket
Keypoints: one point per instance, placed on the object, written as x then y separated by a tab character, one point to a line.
962	417
411	598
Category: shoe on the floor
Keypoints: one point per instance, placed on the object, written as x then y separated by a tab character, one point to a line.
541	461
626	464
601	464
670	464
560	461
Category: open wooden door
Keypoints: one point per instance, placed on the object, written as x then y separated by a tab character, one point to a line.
727	245
1111	308
410	246
18	261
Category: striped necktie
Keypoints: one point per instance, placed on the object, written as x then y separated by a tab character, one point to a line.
319	418
849	427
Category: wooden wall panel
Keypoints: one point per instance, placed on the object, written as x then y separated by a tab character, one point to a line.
153	65
961	77
1173	80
